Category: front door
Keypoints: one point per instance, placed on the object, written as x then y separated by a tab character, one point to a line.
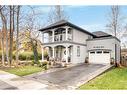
59	52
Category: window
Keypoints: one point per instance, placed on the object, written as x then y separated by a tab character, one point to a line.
105	51
78	51
89	37
98	52
92	52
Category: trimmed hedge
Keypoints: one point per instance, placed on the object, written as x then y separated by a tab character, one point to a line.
27	55
24	56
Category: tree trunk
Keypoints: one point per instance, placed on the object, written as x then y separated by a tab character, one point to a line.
34	46
2	34
17	36
2	45
11	35
7	53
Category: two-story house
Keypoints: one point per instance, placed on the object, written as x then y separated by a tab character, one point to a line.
71	44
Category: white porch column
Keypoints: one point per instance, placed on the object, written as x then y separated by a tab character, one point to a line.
42	53
42	48
53	35
53	54
66	33
42	37
66	54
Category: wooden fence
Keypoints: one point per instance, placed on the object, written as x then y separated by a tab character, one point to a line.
124	60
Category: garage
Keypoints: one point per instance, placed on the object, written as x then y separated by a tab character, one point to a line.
99	57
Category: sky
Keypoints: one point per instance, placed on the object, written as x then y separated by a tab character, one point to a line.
91	18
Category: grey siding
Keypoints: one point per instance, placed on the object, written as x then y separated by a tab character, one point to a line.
106	44
80	37
83	53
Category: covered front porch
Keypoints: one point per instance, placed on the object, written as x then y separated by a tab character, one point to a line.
58	53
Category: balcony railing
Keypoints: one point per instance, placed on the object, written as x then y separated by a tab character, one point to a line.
58	38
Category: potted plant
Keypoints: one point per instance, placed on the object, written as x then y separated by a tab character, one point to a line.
112	61
87	60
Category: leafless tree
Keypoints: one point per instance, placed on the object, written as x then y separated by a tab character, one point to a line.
17	34
12	28
56	14
32	26
117	25
2	45
123	37
4	33
115	17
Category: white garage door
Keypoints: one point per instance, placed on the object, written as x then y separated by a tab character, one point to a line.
99	57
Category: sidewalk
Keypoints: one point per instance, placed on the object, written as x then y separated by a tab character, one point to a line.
11	81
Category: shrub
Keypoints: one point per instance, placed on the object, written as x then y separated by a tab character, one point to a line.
29	56
44	65
26	55
38	63
45	54
39	56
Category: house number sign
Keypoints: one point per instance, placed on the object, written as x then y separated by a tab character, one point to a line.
98	47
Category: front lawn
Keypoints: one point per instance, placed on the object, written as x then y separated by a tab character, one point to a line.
22	71
114	79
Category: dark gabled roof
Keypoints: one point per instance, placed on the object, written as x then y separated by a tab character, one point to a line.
56	24
101	34
65	23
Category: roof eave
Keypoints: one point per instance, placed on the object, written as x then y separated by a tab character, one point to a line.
69	24
43	29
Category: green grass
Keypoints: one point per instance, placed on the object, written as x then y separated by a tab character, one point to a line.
26	70
113	80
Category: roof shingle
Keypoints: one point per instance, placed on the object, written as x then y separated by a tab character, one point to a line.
101	34
64	22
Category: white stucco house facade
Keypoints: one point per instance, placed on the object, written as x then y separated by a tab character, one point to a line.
69	43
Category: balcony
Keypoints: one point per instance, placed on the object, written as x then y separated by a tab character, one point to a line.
59	34
57	38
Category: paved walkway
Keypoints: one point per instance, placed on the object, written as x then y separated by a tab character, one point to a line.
11	81
5	86
70	78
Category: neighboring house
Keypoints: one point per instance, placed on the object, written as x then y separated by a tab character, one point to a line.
71	44
124	56
124	52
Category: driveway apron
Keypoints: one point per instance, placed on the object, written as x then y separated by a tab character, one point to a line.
69	77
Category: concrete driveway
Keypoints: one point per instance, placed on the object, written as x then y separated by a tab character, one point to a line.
69	78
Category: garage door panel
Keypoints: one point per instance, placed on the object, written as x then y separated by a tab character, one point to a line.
99	58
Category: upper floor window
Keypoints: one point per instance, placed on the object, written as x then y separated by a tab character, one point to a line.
89	37
92	52
78	51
